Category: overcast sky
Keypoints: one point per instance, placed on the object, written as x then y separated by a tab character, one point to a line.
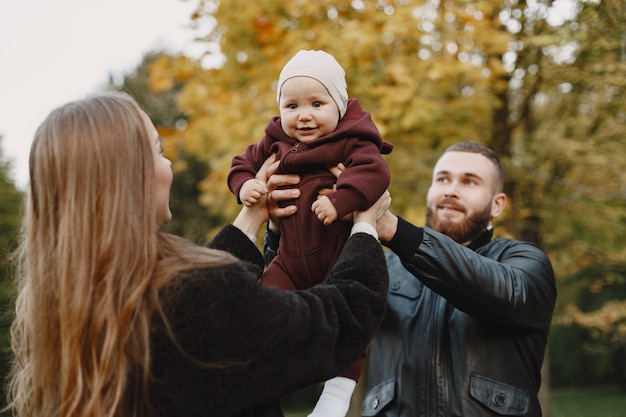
53	51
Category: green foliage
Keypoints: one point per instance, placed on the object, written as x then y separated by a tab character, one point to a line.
601	402
549	98
160	106
419	104
190	219
10	218
576	362
572	159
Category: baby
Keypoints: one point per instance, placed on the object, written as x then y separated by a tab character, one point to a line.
318	128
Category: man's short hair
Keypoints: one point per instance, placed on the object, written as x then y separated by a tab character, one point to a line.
475	147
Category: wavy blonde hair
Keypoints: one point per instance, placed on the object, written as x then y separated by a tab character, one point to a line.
90	264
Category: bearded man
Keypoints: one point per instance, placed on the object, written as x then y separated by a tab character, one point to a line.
468	317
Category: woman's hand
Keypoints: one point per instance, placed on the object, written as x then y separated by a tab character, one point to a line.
251	218
375	211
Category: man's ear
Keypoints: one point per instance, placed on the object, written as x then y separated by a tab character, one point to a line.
498	202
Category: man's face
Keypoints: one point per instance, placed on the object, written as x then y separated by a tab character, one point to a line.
462	199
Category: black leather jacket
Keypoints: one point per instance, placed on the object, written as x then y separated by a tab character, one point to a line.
465	330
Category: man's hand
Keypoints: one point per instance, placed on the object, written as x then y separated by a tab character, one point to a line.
277	194
387	226
336	171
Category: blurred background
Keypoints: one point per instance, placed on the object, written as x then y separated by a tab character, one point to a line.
541	82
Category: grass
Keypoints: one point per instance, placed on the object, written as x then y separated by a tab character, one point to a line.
589	403
297	413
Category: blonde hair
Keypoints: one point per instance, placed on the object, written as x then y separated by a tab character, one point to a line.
90	264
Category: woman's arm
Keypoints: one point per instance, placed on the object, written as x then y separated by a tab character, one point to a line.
260	342
251	218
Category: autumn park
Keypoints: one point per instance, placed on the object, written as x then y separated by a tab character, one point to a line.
547	91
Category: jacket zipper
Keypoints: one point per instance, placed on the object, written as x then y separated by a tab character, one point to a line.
436	402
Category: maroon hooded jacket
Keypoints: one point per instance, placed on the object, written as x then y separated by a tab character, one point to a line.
308	248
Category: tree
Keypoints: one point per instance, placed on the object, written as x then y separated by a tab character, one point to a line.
570	113
190	219
10	218
547	95
425	87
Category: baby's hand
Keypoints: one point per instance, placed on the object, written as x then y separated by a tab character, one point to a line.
324	210
252	191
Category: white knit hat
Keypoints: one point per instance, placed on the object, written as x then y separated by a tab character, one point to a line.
324	68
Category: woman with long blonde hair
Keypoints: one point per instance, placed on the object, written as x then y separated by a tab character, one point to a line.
115	318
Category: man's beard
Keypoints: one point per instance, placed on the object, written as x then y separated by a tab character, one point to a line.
465	231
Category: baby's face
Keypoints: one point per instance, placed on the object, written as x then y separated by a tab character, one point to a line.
307	110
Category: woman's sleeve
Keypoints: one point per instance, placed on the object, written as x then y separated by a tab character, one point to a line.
234	241
279	340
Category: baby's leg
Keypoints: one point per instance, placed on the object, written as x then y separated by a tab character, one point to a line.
335	398
276	276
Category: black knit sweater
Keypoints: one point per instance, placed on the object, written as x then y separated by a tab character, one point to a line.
245	345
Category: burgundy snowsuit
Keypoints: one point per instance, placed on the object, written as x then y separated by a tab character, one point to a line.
308	249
